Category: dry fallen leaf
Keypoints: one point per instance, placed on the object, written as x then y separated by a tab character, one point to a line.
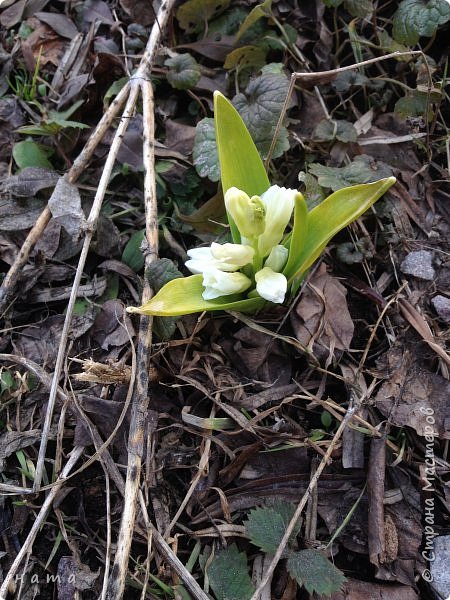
321	320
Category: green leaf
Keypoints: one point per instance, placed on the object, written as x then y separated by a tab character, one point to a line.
228	575
362	170
311	569
194	14
329	129
260	108
160	272
30	154
204	153
333	214
245	57
326	419
113	90
184	296
184	71
414	105
347	79
266	526
132	254
260	10
240	164
298	235
332	3
359	8
416	18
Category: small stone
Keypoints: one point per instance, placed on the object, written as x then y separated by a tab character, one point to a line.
418	264
441	305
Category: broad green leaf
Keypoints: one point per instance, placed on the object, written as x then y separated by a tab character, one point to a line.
240	164
204	153
184	296
30	154
329	129
266	526
132	253
311	569
194	14
228	575
260	10
416	18
332	3
333	214
184	71
260	107
298	235
364	169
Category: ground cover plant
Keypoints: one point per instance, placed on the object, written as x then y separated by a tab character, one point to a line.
268	182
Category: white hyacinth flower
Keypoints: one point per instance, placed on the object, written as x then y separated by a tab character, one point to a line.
279	204
219	283
270	285
277	258
232	254
224	257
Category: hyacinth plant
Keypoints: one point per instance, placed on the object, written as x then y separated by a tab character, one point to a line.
266	258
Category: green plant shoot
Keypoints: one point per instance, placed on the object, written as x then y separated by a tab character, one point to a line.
264	261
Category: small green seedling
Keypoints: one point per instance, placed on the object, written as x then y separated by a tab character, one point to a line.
264	262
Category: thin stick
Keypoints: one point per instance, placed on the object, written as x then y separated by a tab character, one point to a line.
91	226
73	459
312	484
10	282
116	584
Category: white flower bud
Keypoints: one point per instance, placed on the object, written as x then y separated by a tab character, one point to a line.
277	258
279	204
248	213
218	283
270	285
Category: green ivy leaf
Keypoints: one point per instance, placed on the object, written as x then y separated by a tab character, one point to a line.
362	170
416	18
193	14
347	79
228	575
329	129
184	71
266	526
160	272
414	105
260	107
311	569
204	153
